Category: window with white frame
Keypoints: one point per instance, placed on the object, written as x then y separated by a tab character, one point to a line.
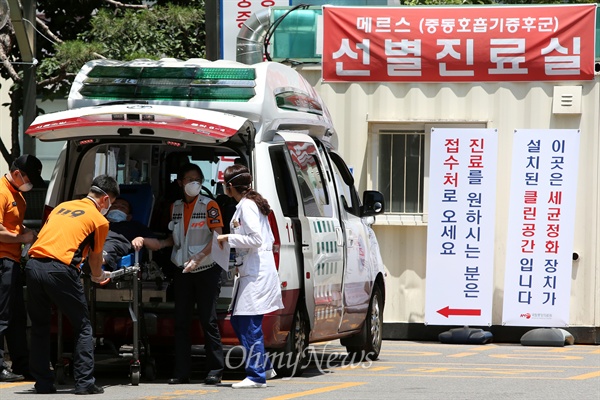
400	167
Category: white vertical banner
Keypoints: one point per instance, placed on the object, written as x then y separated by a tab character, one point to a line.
233	14
539	246
460	229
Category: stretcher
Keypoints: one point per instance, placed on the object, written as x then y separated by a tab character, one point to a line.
126	278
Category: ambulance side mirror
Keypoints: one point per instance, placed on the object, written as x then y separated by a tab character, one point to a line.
373	203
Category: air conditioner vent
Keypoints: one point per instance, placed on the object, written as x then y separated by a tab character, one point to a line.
567	100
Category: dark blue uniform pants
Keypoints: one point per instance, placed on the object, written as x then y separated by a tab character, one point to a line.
201	289
50	281
248	329
13	318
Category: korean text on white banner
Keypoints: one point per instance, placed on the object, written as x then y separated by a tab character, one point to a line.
460	230
233	15
539	246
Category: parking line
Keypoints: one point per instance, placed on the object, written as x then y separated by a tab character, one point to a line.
317	391
356	367
15	384
585	376
471	352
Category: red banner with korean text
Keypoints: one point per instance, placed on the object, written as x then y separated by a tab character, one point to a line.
461	44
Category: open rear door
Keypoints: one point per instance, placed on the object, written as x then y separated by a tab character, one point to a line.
322	241
184	124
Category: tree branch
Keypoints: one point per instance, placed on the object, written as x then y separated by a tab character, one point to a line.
6	62
121	5
54	79
47	30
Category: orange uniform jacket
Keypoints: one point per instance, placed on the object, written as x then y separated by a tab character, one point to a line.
12	213
72	229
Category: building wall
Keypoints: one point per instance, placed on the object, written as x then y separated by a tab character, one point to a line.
4	123
506	106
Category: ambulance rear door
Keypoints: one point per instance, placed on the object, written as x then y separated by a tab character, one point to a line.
138	121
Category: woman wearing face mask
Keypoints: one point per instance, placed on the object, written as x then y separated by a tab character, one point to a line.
197	280
258	291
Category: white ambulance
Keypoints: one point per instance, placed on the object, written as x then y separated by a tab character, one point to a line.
140	120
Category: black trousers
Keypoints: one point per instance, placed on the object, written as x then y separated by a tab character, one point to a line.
50	281
201	289
13	317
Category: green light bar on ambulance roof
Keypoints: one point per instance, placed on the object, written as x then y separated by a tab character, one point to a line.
169	83
242	74
105	71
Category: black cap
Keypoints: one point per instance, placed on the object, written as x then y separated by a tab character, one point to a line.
32	167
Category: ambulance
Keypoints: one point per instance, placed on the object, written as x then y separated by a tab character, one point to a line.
140	120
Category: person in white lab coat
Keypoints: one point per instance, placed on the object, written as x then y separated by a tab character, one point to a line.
258	291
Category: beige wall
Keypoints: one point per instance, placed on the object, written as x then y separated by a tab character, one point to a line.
46	152
506	106
4	123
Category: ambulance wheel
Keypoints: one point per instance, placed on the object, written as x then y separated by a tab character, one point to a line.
291	361
366	345
135	374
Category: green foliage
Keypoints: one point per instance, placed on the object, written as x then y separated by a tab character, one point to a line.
124	34
169	31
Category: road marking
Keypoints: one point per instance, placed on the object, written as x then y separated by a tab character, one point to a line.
9	385
471	352
470	376
585	376
371	369
178	394
412	353
537	356
479	370
317	391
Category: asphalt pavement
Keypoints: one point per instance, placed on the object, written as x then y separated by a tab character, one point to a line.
405	370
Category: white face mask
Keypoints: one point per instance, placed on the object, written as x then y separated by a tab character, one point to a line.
116	216
26	187
192	189
103	211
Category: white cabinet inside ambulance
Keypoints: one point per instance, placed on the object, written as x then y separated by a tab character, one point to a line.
139	121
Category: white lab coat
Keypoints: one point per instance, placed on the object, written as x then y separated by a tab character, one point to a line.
258	290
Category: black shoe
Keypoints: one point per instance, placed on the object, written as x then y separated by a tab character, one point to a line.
93	389
212	380
45	390
26	375
7	376
178	381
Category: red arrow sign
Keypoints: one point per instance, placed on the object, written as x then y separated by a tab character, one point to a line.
447	311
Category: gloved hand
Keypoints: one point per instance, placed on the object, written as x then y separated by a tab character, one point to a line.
102	279
193	262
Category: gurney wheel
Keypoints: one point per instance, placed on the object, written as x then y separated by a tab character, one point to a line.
135	375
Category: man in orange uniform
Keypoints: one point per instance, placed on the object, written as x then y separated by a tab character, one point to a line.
24	174
74	229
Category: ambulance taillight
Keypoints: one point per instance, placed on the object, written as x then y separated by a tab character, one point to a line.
277	242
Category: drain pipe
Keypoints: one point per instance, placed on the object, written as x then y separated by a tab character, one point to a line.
250	40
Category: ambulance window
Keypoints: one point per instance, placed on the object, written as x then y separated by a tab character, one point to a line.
309	175
283	182
345	184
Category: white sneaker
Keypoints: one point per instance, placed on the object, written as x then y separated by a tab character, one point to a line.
270	373
248	384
